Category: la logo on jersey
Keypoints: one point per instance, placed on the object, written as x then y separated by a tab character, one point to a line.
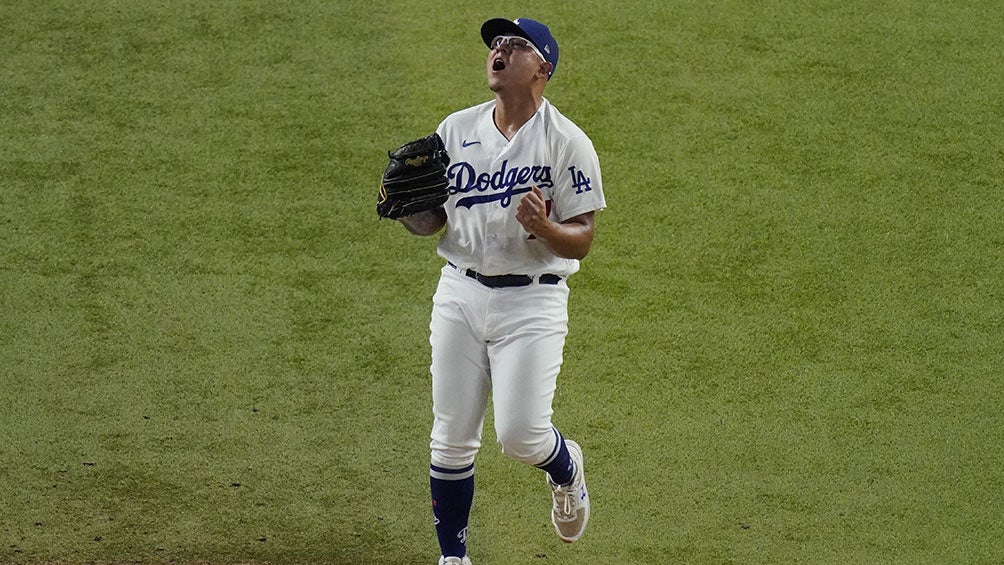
580	182
505	183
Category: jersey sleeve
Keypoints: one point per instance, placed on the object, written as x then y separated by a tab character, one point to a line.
578	184
441	130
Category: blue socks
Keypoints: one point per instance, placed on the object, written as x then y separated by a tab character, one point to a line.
452	496
559	466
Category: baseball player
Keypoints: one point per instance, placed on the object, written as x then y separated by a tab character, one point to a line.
523	184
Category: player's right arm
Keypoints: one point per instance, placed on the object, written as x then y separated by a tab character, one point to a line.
425	223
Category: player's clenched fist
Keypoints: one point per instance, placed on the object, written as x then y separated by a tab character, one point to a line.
531	212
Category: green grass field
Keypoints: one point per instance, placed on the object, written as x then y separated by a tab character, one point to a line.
786	345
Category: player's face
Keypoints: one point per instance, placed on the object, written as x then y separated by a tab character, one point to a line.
513	62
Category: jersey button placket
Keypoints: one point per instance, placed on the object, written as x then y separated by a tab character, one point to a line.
494	224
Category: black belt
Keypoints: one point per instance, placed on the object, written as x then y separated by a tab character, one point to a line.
504	281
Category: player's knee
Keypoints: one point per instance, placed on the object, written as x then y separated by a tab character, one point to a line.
522	446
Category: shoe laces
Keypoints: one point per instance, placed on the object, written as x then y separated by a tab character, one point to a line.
565	500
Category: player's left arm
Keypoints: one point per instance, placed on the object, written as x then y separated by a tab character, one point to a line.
570	238
576	195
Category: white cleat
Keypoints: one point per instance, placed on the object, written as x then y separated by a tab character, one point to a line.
571	503
454	560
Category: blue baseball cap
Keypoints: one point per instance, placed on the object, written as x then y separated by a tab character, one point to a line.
533	30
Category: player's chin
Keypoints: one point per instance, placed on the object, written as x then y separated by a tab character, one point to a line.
494	82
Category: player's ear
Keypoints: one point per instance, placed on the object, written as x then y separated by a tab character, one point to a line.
545	69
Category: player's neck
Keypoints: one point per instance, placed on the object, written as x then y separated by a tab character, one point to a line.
511	112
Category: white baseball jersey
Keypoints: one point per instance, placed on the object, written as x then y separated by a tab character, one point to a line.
488	174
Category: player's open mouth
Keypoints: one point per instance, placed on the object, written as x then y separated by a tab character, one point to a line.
498	64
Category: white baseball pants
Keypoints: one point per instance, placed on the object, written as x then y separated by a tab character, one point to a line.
506	343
